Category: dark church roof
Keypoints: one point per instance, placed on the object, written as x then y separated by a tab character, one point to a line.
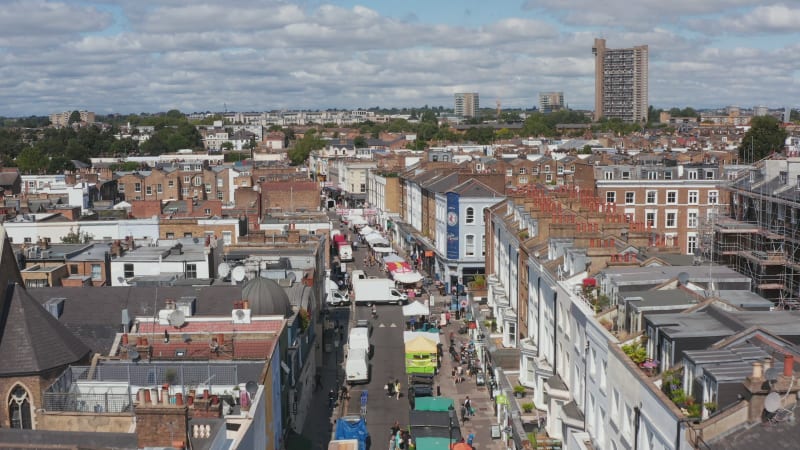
267	297
31	339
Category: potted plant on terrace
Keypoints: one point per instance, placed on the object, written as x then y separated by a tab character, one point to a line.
519	391
528	407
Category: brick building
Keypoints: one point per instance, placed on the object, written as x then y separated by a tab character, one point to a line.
290	196
673	202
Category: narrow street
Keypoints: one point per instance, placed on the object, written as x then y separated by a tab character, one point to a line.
387	363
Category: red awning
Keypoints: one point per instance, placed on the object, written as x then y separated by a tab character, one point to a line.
589	282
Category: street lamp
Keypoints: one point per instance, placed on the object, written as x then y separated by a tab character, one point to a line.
451	412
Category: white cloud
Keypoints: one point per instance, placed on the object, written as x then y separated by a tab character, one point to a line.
145	55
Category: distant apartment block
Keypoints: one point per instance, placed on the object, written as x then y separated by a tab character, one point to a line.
62	119
551	101
620	80
466	104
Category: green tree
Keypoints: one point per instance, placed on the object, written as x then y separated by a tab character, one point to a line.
74	117
303	147
74	237
360	142
31	161
764	137
123	146
227	146
504	133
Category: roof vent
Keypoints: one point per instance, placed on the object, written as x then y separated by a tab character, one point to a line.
55	306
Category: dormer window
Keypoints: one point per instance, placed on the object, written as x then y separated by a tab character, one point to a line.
783	176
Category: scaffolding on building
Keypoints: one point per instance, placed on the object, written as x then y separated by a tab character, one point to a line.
759	238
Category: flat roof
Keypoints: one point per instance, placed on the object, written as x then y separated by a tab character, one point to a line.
669	298
624	275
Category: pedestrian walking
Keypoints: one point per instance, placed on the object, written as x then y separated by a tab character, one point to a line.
331	399
397	388
317	382
468	406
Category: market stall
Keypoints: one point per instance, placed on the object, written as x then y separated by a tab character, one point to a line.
414	309
421	356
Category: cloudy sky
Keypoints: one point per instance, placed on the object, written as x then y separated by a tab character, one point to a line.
153	55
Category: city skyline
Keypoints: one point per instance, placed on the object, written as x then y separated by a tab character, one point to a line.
121	56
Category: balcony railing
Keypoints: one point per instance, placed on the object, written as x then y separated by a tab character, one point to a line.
89	403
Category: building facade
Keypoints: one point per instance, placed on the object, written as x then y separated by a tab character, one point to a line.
466	104
551	101
621	82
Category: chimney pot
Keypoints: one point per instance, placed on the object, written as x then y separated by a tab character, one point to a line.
788	365
757	371
767	364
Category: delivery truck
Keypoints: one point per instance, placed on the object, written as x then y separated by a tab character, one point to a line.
373	291
345	251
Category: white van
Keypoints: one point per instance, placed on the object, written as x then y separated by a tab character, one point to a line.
359	339
335	297
356	368
358	275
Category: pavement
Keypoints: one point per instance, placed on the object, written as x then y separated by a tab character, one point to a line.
387	363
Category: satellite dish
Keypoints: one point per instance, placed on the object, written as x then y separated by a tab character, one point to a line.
238	273
240	314
291	276
196	240
177	318
251	387
773	402
683	278
224	269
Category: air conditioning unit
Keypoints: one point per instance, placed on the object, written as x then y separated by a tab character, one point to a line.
45	253
163	316
240	316
188	305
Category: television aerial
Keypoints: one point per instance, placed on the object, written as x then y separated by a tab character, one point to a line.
773	402
224	269
177	318
238	273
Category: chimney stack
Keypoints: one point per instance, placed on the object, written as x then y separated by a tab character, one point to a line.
161	425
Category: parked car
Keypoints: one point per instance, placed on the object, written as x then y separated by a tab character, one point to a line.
480	380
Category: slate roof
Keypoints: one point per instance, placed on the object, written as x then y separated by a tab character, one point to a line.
473	188
32	340
94	313
8	178
57	440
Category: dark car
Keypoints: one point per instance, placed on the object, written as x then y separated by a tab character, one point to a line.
421	390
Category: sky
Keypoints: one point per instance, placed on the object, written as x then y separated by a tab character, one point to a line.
130	56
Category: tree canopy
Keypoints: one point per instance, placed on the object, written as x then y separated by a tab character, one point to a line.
74	117
303	147
764	137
